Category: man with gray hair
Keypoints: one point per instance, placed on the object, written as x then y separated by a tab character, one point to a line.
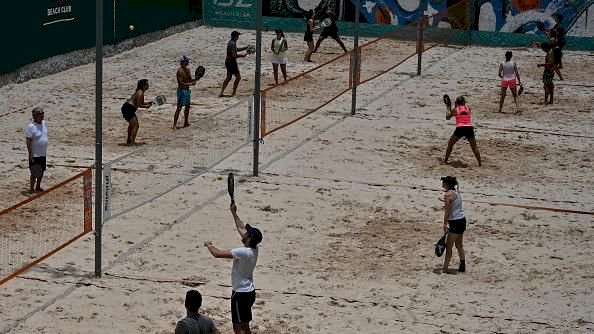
37	140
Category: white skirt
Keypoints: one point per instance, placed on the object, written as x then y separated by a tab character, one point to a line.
276	59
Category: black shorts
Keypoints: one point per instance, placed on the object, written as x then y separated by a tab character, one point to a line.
41	161
241	306
330	32
457	226
128	111
231	66
464	131
308	36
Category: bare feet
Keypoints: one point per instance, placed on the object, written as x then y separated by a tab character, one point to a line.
186	125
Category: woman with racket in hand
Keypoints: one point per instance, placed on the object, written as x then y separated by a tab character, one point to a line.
454	222
244	258
279	47
129	110
464	126
508	72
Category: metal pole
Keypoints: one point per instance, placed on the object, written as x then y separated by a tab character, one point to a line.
420	43
355	58
98	132
257	86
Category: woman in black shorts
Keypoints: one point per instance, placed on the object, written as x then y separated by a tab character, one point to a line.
129	110
464	128
454	222
308	37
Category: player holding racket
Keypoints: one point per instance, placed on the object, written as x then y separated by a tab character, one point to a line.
464	128
508	72
308	37
244	258
330	31
129	110
231	63
184	94
279	47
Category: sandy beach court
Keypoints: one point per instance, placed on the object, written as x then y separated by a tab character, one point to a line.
348	205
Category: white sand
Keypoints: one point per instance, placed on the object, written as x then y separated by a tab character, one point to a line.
348	205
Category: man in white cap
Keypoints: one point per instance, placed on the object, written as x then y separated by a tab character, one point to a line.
231	63
244	258
37	140
184	95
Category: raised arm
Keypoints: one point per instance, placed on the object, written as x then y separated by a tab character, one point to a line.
238	223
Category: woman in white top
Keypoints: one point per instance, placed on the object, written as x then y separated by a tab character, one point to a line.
454	222
279	48
508	72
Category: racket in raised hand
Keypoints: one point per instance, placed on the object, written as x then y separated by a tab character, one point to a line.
325	23
231	187
447	101
199	73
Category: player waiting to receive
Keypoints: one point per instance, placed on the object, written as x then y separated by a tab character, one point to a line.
231	63
184	94
279	48
550	68
308	37
508	72
464	128
454	222
37	141
129	110
242	273
194	322
330	31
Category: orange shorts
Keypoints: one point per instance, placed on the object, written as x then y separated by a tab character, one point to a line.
508	83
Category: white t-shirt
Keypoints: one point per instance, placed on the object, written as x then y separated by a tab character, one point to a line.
242	272
38	134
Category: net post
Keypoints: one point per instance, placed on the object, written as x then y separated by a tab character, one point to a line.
262	132
420	36
469	22
257	90
88	200
98	131
355	57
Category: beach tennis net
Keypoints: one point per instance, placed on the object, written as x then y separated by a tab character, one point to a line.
157	168
40	226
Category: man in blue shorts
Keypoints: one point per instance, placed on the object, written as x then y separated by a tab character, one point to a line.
231	63
184	95
244	258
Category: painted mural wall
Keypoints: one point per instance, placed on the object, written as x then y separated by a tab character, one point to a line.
516	16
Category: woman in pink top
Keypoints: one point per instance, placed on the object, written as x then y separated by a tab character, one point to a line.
508	72
464	128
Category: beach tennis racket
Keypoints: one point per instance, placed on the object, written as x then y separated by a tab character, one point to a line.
447	101
250	50
521	90
199	73
325	23
159	100
231	187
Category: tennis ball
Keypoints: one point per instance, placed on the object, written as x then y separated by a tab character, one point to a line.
131	27
219	177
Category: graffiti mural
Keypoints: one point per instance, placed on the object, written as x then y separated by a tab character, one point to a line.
515	16
534	16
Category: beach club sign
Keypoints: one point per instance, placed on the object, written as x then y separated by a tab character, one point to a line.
58	11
